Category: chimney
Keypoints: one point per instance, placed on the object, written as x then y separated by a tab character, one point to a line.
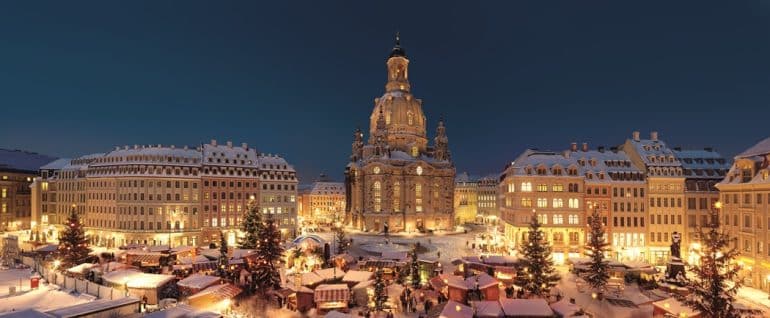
573	146
654	136
585	147
245	146
136	146
635	135
601	148
213	142
566	154
117	148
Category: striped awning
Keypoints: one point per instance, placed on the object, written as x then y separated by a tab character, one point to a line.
146	259
205	266
380	264
332	293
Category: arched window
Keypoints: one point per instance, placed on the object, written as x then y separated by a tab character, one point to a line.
410	118
418	197
415	151
397	196
377	196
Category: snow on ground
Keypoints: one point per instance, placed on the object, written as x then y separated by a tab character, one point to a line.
754	296
44	298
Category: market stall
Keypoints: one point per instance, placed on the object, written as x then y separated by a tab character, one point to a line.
215	298
353	278
138	284
670	307
196	282
530	308
332	297
453	309
487	309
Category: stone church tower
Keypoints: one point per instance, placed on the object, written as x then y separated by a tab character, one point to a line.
396	181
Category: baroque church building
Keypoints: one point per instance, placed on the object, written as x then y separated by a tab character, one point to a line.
396	181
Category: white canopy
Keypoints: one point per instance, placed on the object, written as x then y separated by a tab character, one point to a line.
136	279
198	281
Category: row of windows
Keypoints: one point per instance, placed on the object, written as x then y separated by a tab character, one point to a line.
542	187
627	221
700	203
620	207
626	192
558	219
759	198
665	219
666	202
555	203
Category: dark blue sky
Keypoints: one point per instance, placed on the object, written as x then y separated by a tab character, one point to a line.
296	77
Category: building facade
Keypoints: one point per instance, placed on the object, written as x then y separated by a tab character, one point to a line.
396	181
466	204
17	169
488	211
638	188
745	214
323	203
160	195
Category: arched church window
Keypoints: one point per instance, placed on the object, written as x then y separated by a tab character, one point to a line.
415	151
397	196
377	196
387	118
410	118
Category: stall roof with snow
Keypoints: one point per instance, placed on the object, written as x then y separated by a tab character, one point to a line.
526	308
357	276
331	292
488	309
182	311
484	280
93	307
136	279
564	308
198	281
217	292
453	309
675	307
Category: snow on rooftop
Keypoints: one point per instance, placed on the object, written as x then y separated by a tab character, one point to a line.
198	281
136	279
92	307
357	276
675	307
526	308
20	160
759	149
488	309
453	309
483	279
182	311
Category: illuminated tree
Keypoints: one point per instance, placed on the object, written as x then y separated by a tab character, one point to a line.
599	272
536	275
342	240
715	283
380	295
269	252
251	226
414	269
73	246
223	258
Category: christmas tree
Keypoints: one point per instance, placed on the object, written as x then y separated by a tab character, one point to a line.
269	251
380	295
536	274
342	239
251	226
715	280
414	269
73	246
597	245
223	258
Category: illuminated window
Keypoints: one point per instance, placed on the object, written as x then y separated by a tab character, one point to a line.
558	203
542	202
5	193
418	196
558	219
415	151
574	204
377	196
526	187
511	187
573	219
557	188
542	188
397	196
526	202
410	118
542	218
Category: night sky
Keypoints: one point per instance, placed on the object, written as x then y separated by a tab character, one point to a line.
296	78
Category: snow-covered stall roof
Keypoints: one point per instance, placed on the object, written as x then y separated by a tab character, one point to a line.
193	259
198	281
327	274
48	248
310	279
136	279
331	292
526	308
564	308
483	279
453	309
98	305
364	284
394	255
456	282
218	292
182	311
506	260
357	276
488	309
182	249
675	307
82	268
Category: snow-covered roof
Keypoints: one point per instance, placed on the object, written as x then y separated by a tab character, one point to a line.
594	165
526	308
84	309
22	161
312	237
327	188
80	269
488	309
25	313
57	164
182	311
192	259
327	274
357	276
198	281
675	307
136	279
483	279
453	309
456	282
220	292
310	279
759	149
564	308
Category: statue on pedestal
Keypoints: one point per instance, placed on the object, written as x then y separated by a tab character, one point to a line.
675	268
